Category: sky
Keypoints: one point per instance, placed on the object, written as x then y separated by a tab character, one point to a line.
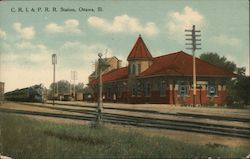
78	30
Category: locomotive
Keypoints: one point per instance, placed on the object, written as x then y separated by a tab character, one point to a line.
36	93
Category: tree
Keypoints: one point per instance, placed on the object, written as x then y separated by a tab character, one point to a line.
63	86
79	87
242	88
215	59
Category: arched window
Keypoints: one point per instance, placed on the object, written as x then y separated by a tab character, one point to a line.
129	69
162	88
134	69
139	68
183	88
147	89
211	88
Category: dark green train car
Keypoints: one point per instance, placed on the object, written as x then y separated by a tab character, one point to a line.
30	94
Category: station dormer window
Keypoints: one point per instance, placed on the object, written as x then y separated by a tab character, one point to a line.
133	69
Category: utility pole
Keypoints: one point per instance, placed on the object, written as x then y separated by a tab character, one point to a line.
74	78
70	89
57	89
54	62
193	47
99	104
248	40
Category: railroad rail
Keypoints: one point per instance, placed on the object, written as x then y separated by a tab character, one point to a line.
88	113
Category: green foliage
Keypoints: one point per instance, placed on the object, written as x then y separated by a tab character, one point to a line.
79	87
64	86
88	90
238	88
242	89
215	59
25	138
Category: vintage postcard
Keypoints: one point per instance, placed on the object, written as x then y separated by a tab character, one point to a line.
124	79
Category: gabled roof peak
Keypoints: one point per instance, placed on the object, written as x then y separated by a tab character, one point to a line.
180	64
139	51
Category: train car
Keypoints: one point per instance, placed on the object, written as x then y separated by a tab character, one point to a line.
36	93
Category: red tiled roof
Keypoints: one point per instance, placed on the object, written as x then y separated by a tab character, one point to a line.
174	64
118	74
181	64
139	51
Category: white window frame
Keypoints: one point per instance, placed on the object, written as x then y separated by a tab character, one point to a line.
183	86
162	89
212	87
148	89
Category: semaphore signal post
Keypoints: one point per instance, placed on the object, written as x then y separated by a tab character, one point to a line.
193	38
54	62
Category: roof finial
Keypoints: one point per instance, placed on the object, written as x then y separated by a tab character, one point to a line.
140	35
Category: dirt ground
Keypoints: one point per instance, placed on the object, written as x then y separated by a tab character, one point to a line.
190	137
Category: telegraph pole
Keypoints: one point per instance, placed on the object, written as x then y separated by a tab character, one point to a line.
54	61
99	104
249	41
193	47
57	89
74	78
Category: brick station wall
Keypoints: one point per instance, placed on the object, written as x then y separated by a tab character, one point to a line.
171	96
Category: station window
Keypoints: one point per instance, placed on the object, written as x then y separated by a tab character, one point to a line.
133	69
148	90
139	89
183	88
134	91
119	91
139	68
109	93
162	88
211	89
129	69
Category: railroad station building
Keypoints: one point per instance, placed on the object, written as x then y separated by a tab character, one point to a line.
163	79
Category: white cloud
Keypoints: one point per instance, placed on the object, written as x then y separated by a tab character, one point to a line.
123	23
2	33
179	21
20	77
29	63
4	46
69	26
24	45
226	40
80	57
25	64
54	28
69	44
26	53
24	32
83	52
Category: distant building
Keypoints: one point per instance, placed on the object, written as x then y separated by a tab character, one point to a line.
163	79
113	62
1	92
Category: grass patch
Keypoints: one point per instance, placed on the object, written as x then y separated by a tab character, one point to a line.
25	138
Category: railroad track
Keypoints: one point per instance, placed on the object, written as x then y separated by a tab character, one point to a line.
201	116
140	121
